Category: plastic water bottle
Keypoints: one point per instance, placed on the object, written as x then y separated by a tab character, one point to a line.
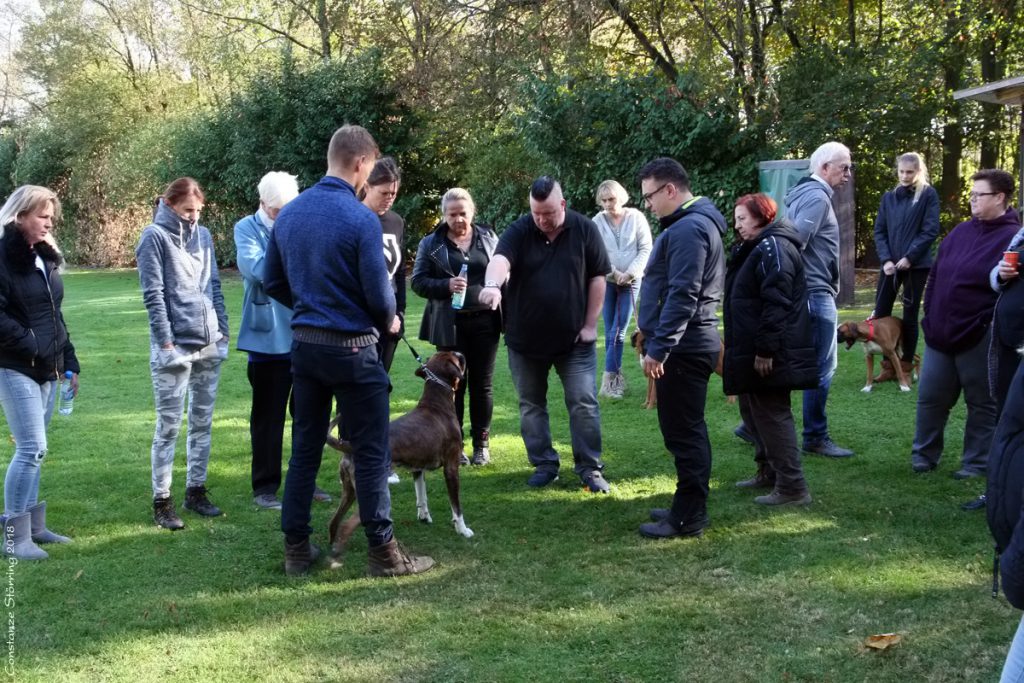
458	298
67	394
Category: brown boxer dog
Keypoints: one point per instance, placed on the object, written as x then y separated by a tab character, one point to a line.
636	340
880	336
426	438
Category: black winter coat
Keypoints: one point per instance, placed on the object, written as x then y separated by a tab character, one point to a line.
1005	484
766	314
430	274
33	338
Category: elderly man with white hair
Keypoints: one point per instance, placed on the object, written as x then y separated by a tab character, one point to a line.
265	332
809	207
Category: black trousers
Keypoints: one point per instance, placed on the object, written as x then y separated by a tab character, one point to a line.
476	338
682	392
912	282
769	419
271	383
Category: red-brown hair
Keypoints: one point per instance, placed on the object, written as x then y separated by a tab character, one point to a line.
181	189
759	206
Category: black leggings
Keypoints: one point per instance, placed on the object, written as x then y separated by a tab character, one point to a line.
477	337
912	282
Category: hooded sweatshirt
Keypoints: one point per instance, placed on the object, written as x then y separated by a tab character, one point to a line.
180	283
809	209
958	299
683	283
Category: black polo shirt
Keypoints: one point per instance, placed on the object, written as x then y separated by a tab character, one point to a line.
546	300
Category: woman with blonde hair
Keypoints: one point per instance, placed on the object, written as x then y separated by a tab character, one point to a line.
905	229
35	351
627	238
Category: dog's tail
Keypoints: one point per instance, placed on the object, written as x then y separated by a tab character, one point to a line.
335	442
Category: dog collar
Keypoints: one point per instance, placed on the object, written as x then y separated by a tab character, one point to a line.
431	377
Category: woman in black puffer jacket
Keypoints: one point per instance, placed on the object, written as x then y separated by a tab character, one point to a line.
35	352
769	349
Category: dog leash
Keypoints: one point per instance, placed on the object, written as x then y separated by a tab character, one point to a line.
426	371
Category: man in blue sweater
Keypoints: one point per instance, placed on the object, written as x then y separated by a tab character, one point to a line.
324	261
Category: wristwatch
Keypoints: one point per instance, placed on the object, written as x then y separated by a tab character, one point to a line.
491	283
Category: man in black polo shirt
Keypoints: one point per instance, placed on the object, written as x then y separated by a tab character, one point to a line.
558	266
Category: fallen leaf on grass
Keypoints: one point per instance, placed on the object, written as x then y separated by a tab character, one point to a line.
78	574
883	641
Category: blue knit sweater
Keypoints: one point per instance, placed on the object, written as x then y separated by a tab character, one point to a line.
325	262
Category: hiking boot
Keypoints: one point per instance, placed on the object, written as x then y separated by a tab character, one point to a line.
665	528
165	515
659	514
321	496
595	482
922	466
197	502
463	459
481	455
299	556
888	372
764	479
267	501
828	448
40	534
777	498
606	385
541	478
620	383
391	559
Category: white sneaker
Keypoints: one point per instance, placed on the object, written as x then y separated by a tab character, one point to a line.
393	478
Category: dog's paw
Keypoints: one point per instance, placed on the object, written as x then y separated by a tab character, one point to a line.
867	389
424	516
461	528
904	387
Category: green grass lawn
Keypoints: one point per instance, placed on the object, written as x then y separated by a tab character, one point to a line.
556	585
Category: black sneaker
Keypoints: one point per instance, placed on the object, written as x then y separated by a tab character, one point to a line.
542	478
922	466
828	448
978	503
165	515
666	529
197	502
743	433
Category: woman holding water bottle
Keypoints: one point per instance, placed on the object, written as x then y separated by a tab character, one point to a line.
35	351
449	273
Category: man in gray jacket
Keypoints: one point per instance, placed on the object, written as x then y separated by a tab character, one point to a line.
809	207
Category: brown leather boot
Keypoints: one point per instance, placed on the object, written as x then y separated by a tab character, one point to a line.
764	479
888	372
299	557
391	559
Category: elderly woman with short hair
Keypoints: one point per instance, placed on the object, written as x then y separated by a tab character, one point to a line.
474	329
265	333
627	238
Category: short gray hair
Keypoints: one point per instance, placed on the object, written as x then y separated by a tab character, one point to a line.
24	200
828	153
615	188
456	194
277	188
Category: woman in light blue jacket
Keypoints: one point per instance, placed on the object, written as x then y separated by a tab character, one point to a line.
265	332
627	237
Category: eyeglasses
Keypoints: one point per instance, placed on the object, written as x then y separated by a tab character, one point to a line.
846	168
647	197
975	195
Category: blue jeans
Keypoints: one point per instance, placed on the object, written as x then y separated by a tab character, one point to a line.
28	407
577	371
824	320
618	310
1013	669
357	379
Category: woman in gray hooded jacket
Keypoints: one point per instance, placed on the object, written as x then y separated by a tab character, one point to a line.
188	327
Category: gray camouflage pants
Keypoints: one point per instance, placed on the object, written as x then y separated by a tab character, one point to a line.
199	379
